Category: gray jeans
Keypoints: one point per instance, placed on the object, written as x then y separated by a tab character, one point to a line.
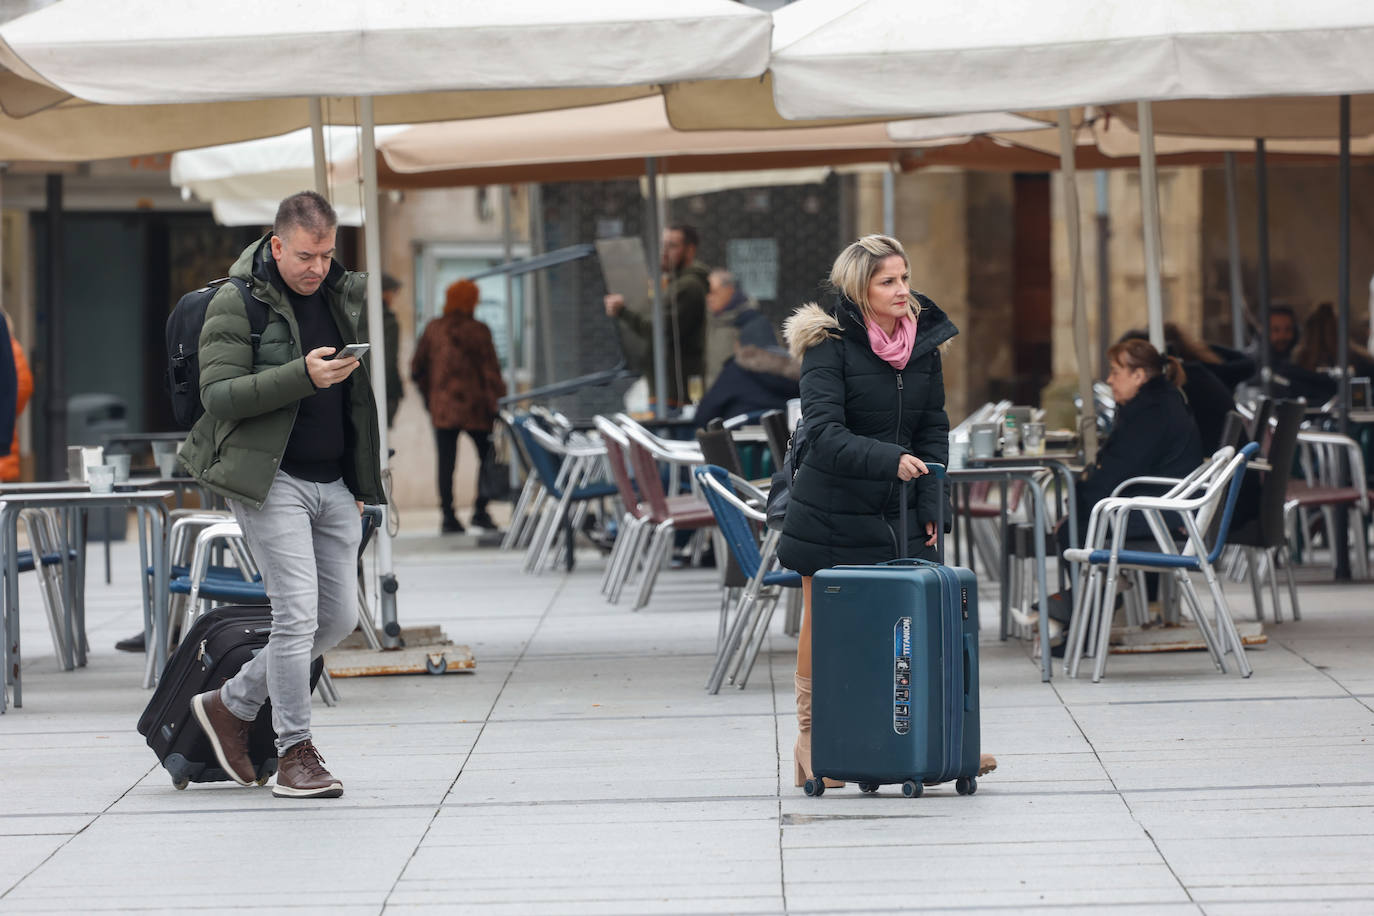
305	541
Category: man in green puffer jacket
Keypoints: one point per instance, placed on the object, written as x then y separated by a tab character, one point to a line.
289	438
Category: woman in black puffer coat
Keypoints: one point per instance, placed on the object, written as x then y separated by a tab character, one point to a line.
873	404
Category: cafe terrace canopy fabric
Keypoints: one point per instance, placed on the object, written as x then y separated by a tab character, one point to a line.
855	58
89	79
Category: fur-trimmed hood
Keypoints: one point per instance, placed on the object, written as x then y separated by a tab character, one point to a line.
770	360
810	324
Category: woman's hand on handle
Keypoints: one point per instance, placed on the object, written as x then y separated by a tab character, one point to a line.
930	534
911	467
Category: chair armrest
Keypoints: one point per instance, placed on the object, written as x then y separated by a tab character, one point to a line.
1135	481
750	512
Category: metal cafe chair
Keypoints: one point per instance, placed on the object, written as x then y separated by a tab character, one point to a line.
1213	487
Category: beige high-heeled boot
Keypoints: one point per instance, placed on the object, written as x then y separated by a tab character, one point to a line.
801	752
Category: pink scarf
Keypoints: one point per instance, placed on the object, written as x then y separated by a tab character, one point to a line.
895	350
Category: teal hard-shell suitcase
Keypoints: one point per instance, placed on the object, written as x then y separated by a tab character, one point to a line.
895	676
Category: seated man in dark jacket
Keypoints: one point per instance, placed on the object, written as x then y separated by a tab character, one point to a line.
754	380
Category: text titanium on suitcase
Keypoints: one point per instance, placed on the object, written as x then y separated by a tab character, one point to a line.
901	677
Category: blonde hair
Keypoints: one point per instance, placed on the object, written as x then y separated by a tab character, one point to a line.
860	262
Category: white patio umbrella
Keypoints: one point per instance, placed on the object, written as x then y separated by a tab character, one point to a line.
550	54
268	169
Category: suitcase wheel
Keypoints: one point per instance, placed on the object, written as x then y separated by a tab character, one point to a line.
869	787
814	786
180	784
912	788
966	785
262	780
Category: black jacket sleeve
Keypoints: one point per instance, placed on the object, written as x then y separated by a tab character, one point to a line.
1234	368
930	442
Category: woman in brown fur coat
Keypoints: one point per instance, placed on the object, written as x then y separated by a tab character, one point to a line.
457	372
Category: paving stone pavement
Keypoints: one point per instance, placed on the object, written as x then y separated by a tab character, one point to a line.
583	769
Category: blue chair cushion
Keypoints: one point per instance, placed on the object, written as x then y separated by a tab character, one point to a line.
594	491
1145	558
784	577
232	573
24	559
222	590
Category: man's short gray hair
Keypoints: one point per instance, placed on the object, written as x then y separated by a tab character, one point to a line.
723	277
304	210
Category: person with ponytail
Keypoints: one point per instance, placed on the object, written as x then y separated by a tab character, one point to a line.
1153	434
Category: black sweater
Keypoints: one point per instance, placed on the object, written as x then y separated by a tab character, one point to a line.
316	447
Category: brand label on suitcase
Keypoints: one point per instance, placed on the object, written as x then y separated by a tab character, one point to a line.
901	676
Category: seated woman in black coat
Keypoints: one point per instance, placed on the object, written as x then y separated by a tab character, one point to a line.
1210	376
873	403
1153	433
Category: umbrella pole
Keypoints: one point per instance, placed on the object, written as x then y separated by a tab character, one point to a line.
372	242
1104	272
508	250
1068	170
321	160
660	342
889	203
1233	256
1343	272
539	283
1149	212
55	340
1262	283
1341	539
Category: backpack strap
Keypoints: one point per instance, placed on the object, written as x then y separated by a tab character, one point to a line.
254	308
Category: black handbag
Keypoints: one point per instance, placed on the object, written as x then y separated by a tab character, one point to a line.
493	481
779	490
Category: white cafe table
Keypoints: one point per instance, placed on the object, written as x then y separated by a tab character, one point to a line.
71	501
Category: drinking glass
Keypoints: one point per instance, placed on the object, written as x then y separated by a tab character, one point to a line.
101	478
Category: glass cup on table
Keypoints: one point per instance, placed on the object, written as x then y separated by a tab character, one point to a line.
696	388
101	478
1033	438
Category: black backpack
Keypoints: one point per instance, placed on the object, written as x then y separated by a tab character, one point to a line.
183	340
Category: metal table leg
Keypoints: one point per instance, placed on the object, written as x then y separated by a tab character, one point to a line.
1005	585
9	525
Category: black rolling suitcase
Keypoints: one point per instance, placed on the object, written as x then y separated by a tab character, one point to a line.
895	675
216	646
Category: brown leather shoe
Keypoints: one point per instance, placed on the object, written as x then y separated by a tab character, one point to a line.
228	735
301	774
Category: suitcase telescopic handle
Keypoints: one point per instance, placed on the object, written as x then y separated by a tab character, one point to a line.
937	471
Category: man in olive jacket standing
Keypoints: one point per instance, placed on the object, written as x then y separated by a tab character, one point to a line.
684	312
289	437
